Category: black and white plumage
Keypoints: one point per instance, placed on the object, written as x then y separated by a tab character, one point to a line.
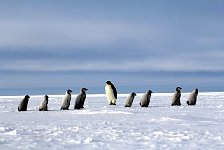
23	104
176	97
129	100
111	93
145	100
65	103
192	97
43	105
80	99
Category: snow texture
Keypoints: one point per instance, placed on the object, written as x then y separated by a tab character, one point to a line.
99	126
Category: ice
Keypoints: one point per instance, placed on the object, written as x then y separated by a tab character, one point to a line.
99	126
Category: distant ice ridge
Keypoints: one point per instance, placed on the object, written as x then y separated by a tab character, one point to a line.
100	126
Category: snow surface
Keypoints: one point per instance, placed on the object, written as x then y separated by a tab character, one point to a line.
99	126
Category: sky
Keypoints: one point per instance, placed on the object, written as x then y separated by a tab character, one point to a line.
48	46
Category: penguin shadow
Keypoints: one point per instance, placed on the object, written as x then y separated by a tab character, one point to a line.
31	110
51	110
139	107
67	110
157	106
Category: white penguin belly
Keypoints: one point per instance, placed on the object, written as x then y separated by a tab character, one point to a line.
66	100
42	104
129	101
110	95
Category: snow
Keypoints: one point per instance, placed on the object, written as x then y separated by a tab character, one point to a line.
99	126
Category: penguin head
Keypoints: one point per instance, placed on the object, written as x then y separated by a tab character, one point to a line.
178	89
196	90
69	91
46	97
27	96
109	83
133	94
149	92
84	89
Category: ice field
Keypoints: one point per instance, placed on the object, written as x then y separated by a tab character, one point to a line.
99	126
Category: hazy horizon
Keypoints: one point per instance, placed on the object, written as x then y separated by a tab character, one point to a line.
158	82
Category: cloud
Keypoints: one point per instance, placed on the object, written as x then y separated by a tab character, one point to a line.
102	45
187	63
71	34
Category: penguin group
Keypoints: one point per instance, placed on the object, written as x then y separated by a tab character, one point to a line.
111	95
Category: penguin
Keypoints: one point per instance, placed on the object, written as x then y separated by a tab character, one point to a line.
129	100
145	100
176	97
43	104
80	99
23	104
193	97
65	103
111	93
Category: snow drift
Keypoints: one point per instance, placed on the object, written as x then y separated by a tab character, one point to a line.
99	126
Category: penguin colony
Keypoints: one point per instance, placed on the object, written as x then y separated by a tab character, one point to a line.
111	95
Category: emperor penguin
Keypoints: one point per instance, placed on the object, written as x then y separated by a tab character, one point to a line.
176	97
129	100
23	104
145	100
111	93
65	103
193	97
80	99
43	105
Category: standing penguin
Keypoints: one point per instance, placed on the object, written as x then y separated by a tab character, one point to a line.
111	93
65	103
80	99
129	100
145	100
193	97
43	104
23	104
176	97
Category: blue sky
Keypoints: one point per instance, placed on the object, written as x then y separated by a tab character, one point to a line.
52	45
